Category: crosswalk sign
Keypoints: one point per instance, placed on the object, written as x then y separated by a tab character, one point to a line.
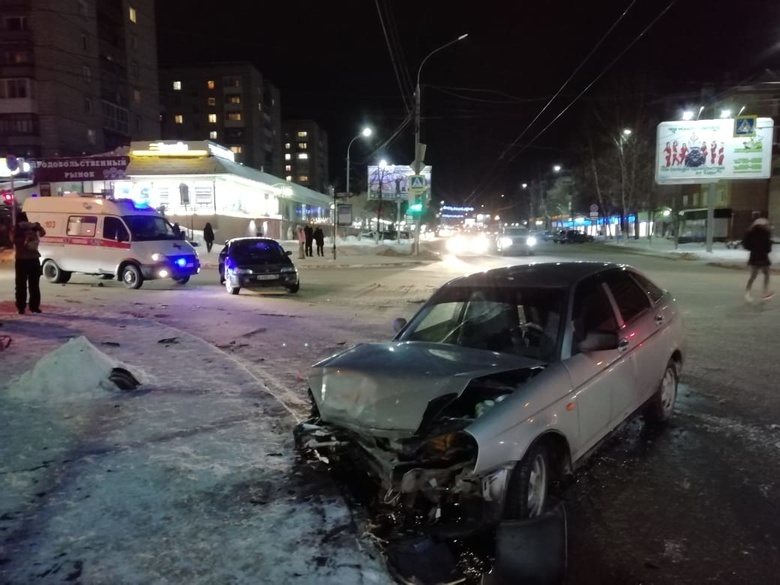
744	126
417	183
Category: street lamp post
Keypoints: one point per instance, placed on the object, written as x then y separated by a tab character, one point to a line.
419	149
365	133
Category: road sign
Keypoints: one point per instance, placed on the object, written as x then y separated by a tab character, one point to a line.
594	209
745	126
594	214
417	183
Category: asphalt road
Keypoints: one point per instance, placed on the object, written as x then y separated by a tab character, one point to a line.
694	503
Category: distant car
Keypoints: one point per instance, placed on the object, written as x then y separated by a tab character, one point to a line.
571	237
469	243
256	263
500	385
516	240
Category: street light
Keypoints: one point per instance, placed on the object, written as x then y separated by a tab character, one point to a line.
365	133
627	132
524	185
687	115
557	168
419	155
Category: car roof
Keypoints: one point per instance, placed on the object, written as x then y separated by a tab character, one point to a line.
539	274
251	239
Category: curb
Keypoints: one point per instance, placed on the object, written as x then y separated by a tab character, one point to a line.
687	256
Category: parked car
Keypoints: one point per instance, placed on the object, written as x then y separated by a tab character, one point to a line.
256	263
503	382
571	237
516	240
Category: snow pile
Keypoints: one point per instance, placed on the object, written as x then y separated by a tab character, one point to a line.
75	370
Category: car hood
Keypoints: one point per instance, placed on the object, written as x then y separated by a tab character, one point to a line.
387	386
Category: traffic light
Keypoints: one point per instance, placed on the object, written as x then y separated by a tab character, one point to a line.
415	206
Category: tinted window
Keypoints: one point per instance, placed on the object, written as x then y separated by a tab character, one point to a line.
114	229
150	227
592	311
630	298
655	293
251	249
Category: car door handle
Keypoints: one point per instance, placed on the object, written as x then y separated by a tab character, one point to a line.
659	319
623	345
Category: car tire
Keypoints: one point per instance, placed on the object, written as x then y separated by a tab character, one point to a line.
233	290
661	406
294	288
132	277
182	280
528	490
53	273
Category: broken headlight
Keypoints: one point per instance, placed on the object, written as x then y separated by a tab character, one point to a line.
449	447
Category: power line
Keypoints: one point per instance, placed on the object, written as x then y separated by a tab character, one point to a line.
396	67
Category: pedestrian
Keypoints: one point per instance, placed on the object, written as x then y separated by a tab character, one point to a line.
208	236
319	239
309	234
26	237
301	243
176	230
758	241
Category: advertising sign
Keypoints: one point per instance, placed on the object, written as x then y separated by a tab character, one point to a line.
344	214
703	151
95	168
395	181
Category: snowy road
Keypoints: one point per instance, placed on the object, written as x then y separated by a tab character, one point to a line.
193	480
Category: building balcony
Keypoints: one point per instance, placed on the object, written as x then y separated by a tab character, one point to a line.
18	106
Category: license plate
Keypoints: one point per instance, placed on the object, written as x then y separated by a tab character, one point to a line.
267	277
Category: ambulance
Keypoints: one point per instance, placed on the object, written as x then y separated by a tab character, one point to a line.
110	238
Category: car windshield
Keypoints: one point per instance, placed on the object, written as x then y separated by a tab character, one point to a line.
516	232
522	320
257	249
146	228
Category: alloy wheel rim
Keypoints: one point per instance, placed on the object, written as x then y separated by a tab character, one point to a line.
129	277
537	486
668	390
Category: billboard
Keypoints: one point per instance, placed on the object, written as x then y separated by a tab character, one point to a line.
703	151
394	181
88	168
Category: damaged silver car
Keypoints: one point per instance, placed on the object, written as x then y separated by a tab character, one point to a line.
501	384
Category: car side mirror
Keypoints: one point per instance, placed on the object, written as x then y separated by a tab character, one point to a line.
288	252
194	244
599	341
398	324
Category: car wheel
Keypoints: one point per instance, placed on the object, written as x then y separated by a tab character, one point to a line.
529	486
132	277
661	406
183	280
233	290
294	288
52	272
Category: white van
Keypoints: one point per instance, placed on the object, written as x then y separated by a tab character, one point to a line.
111	238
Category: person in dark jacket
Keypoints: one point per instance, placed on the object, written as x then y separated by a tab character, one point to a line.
319	239
309	233
758	241
26	237
208	236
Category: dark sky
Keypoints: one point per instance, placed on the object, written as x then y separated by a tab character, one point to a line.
332	64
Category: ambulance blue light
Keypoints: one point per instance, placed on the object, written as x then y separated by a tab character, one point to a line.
181	262
138	205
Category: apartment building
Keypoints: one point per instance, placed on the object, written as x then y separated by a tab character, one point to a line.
228	103
76	77
306	154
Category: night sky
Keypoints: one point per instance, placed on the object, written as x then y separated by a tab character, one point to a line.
332	64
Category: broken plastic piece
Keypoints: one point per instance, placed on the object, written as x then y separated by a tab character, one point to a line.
123	379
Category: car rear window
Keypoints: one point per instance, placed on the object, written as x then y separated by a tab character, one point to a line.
257	248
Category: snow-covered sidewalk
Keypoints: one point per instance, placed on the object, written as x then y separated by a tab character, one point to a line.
695	252
189	479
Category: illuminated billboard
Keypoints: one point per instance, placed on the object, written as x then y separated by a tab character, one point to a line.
702	151
394	181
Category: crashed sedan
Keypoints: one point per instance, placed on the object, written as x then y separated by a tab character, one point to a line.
501	384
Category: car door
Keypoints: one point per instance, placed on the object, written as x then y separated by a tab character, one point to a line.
113	245
637	325
596	375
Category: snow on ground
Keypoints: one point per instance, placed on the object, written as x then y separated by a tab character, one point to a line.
188	479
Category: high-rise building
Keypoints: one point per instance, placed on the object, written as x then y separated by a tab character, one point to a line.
76	77
228	103
306	154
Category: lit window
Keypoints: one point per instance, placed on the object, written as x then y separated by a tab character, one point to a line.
133	14
91	136
210	84
302	134
212	101
177	85
237	149
303	156
288	156
137	96
179	119
303	178
287	145
87	73
303	145
288	178
288	168
234	99
212	118
213	135
234	116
